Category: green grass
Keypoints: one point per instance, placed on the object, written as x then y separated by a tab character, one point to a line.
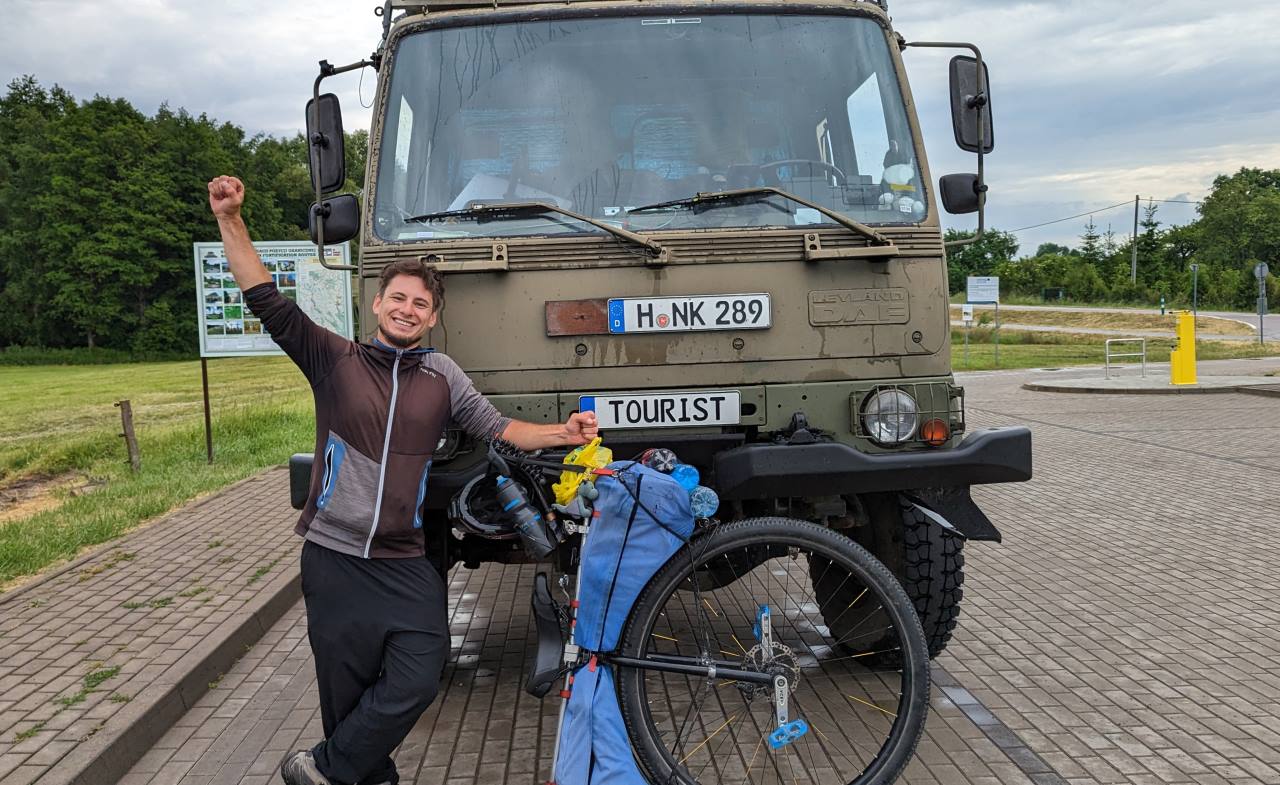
1054	349
34	355
60	420
29	732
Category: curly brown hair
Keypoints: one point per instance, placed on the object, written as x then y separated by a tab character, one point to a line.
415	267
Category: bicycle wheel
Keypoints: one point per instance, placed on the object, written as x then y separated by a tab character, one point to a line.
703	609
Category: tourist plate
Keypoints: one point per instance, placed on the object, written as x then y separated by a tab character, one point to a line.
665	410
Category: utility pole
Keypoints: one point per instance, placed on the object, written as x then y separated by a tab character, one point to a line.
1133	263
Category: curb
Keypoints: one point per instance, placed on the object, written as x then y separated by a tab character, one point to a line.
108	757
1269	390
1169	390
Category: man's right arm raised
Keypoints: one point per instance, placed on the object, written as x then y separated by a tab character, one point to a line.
226	195
309	345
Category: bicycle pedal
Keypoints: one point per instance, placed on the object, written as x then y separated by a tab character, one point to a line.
758	626
785	734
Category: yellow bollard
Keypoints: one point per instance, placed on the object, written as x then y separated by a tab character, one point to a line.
1182	360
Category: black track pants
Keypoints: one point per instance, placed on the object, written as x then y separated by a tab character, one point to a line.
380	634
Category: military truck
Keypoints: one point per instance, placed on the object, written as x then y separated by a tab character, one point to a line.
711	222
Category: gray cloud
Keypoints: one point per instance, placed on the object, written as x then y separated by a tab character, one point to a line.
1095	100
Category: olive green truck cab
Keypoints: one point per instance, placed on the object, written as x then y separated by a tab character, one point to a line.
713	223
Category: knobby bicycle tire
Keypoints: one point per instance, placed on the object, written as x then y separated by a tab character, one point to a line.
702	605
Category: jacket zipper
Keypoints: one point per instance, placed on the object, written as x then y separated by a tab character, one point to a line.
386	449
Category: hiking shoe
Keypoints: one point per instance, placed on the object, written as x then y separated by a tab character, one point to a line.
299	768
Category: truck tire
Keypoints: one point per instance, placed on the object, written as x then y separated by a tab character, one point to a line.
932	573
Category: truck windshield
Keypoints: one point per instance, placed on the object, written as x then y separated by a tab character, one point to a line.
601	115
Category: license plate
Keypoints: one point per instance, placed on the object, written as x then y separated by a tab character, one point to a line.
683	314
665	410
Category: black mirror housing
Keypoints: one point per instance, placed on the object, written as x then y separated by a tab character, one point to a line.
960	193
969	105
325	143
341	217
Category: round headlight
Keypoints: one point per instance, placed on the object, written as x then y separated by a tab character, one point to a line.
890	416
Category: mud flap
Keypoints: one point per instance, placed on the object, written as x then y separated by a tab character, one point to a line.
954	510
550	653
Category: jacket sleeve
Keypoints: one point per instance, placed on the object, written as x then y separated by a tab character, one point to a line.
468	408
311	347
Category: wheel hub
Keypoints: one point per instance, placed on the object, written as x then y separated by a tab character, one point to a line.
778	660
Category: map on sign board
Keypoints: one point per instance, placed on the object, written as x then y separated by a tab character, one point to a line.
983	289
228	328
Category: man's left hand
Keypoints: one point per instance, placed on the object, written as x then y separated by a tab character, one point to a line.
581	428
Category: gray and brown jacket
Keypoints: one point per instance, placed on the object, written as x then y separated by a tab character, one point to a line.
380	412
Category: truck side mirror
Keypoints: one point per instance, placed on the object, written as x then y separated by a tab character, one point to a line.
971	105
961	193
325	144
341	216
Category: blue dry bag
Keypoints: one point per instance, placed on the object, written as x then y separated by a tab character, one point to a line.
642	518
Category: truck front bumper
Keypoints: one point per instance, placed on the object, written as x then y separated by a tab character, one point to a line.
762	471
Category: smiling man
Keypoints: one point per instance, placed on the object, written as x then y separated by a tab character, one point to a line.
376	608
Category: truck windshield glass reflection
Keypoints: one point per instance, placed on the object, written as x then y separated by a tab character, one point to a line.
601	115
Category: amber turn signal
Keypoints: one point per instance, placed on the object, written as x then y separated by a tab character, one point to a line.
935	433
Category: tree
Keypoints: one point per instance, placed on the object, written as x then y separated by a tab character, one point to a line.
1091	244
28	112
977	258
1046	249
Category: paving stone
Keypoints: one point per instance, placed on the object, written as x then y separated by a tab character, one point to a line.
152	567
1124	631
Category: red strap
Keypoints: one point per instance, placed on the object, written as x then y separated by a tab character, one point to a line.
565	694
575	604
591	666
603	472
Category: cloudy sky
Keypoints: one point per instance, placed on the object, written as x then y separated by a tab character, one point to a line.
1095	100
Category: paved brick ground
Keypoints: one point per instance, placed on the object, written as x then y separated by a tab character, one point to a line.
1126	630
483	730
78	647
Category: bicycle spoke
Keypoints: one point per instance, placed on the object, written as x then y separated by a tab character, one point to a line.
819	602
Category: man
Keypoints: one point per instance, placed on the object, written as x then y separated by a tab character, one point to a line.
376	608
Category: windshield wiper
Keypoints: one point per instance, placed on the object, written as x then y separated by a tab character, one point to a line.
880	244
481	211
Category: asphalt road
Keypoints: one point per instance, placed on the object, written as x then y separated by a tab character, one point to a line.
1270	324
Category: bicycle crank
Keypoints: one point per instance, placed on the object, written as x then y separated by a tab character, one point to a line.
779	661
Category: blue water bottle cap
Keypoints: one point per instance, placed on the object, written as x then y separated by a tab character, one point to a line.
704	502
686	475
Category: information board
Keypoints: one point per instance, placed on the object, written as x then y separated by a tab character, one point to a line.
983	289
228	328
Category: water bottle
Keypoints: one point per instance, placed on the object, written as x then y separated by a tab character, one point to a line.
528	520
704	502
686	475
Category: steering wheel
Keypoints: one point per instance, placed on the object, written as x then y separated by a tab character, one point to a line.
832	169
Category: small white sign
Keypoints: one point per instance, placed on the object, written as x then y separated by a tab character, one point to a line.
966	313
983	289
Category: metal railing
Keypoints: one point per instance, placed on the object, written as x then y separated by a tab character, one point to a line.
1110	355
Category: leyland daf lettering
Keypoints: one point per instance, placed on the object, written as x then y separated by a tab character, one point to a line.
859	306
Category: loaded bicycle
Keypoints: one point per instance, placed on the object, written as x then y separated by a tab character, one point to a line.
695	652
